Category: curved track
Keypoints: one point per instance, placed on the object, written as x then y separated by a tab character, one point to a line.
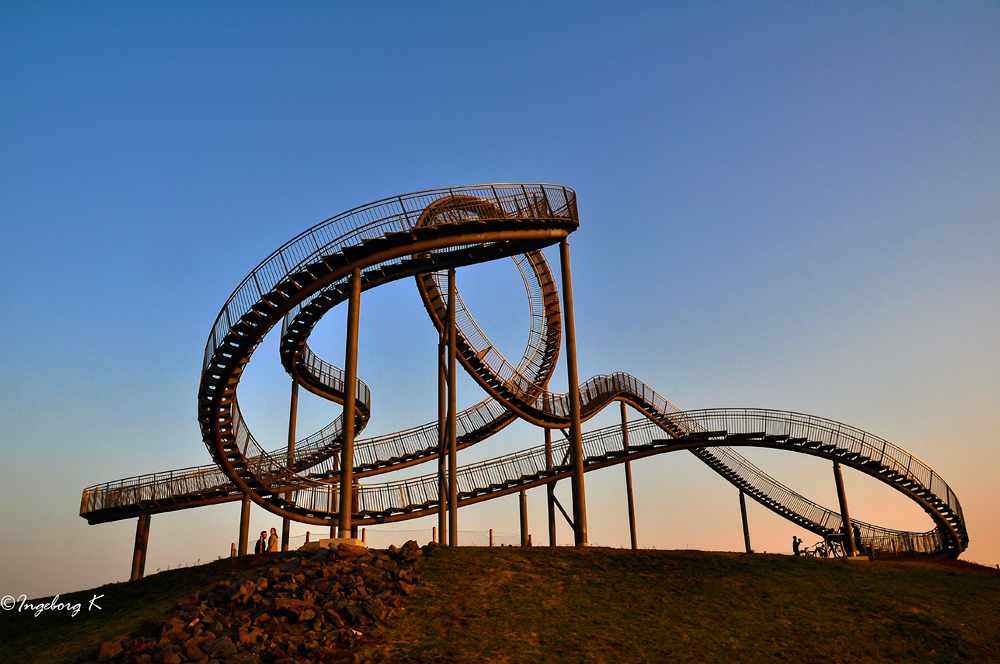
419	235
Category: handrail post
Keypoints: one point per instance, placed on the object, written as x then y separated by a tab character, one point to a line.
292	415
576	441
350	379
452	412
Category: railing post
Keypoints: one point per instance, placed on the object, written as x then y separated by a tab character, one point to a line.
139	553
452	413
576	441
845	515
244	524
628	478
442	438
350	381
292	415
746	526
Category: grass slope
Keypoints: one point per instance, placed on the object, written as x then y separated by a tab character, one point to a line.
606	605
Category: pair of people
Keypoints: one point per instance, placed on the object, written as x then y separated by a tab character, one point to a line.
265	543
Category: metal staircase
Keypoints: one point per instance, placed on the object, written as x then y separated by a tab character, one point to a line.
420	235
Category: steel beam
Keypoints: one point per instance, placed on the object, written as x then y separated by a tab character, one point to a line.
550	488
442	363
452	415
746	526
350	396
628	478
244	524
845	514
576	440
293	408
523	503
139	553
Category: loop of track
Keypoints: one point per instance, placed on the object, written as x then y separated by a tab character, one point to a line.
419	235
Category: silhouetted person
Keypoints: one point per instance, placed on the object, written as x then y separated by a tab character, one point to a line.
857	538
272	541
795	544
261	543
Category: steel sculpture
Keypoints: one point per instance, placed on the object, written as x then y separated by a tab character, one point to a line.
427	235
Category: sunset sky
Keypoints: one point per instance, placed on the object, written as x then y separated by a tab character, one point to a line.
794	206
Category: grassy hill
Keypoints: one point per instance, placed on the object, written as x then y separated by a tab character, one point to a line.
609	605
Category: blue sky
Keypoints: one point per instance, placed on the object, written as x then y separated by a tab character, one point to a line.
793	206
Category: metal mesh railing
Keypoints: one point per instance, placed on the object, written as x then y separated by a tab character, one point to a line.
843	437
391	215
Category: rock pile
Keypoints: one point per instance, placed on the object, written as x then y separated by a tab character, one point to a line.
320	606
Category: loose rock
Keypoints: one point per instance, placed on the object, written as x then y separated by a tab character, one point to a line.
320	606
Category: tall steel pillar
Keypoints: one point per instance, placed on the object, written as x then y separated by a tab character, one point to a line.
550	487
286	523
522	500
350	398
746	526
844	513
452	414
442	362
244	524
139	554
628	478
576	440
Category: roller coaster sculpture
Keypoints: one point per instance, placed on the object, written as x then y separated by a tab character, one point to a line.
426	235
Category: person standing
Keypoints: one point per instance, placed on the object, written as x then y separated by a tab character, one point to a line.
795	544
272	541
261	543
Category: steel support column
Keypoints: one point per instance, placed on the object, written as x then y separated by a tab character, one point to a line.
522	499
350	397
852	549
746	526
550	488
293	408
139	553
452	414
244	525
628	478
576	440
442	362
354	507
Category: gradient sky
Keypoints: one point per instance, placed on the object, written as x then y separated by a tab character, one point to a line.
794	207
